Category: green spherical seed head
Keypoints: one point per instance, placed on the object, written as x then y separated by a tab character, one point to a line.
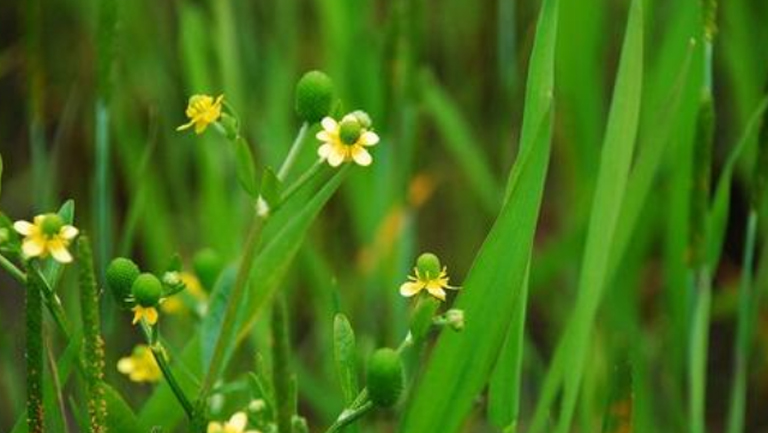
147	290
207	265
314	96
385	377
428	265
349	131
121	274
52	224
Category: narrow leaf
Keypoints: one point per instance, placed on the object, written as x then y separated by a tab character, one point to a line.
345	355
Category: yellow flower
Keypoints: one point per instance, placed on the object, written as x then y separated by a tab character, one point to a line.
346	140
140	366
236	424
46	235
149	313
202	110
427	276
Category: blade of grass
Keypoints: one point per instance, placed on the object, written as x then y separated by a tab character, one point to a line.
461	364
615	162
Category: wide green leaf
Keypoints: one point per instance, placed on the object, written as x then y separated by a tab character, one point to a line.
461	363
615	162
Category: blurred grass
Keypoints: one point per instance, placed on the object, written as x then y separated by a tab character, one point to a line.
444	83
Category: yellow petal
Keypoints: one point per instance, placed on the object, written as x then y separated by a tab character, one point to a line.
138	313
324	136
214	427
368	138
151	315
437	292
324	151
24	228
200	127
68	232
335	157
126	365
185	126
361	156
59	251
329	124
411	288
238	421
33	246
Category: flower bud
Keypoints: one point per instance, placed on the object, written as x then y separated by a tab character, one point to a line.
385	377
363	118
428	265
207	265
121	274
455	319
314	96
147	290
350	130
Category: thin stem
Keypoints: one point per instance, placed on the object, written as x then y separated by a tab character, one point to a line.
12	270
34	313
698	348
159	353
290	160
743	331
230	315
349	416
300	182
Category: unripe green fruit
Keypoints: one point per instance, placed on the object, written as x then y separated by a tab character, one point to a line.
384	377
349	130
428	265
314	96
52	224
207	265
147	290
121	274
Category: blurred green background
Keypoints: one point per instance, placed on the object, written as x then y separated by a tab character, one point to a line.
444	82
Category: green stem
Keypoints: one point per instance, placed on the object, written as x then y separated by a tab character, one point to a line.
349	416
744	330
280	374
699	343
300	182
12	270
230	315
244	271
158	351
290	160
93	347
35	414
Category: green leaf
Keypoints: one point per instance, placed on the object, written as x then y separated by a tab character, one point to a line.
120	416
504	386
52	269
217	306
718	214
271	187
345	355
245	167
616	159
461	363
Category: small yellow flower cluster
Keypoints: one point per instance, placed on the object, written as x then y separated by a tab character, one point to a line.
140	366
236	424
46	235
202	110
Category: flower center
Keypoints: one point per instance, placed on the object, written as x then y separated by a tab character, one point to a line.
51	225
429	266
349	131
